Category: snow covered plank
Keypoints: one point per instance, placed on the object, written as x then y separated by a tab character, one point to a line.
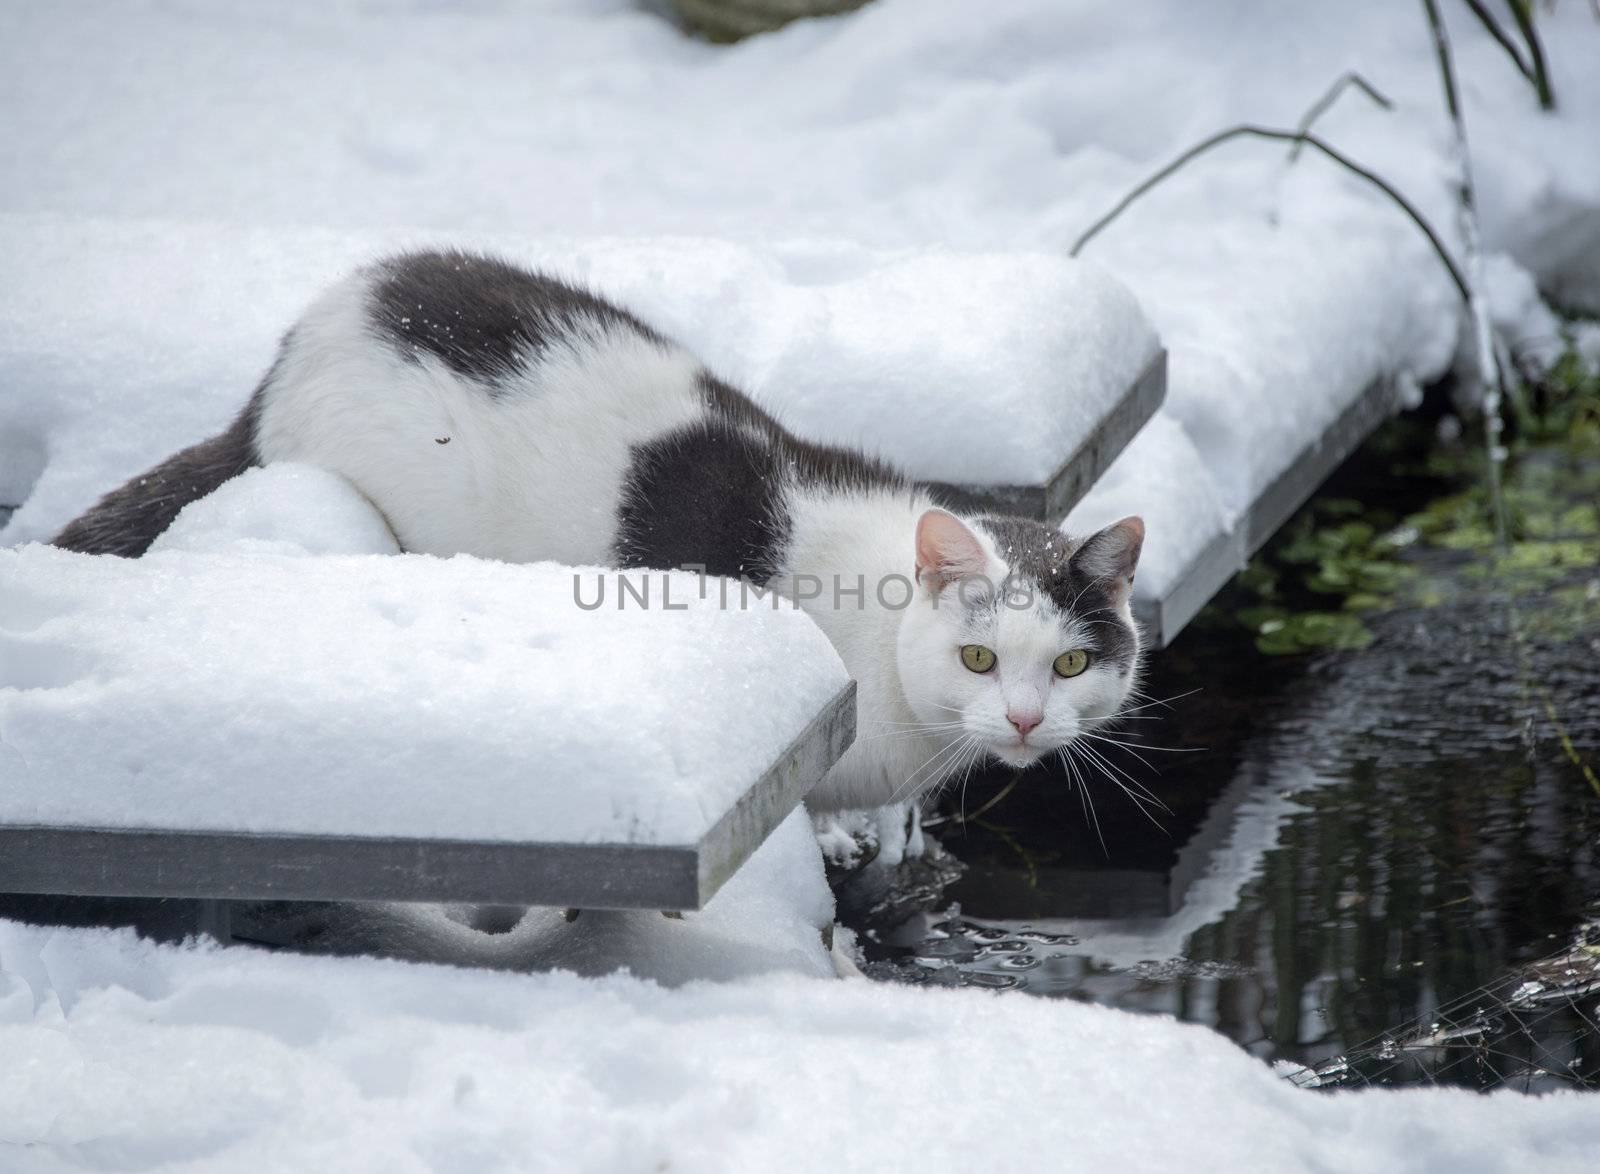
1053	498
177	862
1165	612
252	723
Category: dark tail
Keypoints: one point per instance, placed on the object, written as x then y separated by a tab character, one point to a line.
127	520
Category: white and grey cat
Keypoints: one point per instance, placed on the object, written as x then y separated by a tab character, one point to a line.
492	411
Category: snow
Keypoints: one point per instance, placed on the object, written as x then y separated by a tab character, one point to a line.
256	689
285	509
848	198
863	221
767	919
927	357
1586	341
1165	478
1530	329
1281	293
122	1054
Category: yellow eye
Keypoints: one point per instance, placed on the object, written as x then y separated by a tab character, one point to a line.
1071	663
977	658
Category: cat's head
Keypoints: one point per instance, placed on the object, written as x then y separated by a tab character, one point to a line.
1020	637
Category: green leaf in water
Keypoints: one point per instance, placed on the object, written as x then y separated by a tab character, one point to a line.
1313	631
1258	618
1367	601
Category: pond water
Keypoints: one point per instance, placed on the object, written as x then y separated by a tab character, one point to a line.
1363	852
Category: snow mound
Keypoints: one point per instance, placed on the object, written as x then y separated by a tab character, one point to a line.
769	917
388	695
286	509
122	1054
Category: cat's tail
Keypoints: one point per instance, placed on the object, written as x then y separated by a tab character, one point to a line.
127	520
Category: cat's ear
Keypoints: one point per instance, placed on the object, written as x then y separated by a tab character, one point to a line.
1110	557
946	550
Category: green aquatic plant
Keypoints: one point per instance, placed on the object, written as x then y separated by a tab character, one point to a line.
1312	631
1328	549
1563	402
1353	553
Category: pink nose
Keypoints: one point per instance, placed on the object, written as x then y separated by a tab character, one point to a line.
1024	721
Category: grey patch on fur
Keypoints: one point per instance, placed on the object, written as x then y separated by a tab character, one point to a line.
127	520
710	494
1051	563
483	318
1040	554
809	463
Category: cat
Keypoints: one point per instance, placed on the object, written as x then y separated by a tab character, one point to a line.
489	410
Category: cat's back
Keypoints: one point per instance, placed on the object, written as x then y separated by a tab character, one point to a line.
483	408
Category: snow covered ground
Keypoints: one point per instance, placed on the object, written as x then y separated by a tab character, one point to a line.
879	201
123	1055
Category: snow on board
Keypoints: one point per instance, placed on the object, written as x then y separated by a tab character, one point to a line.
376	725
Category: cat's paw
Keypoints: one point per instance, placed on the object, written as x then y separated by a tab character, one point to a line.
849	841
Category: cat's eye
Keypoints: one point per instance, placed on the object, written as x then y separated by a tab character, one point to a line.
977	658
1071	662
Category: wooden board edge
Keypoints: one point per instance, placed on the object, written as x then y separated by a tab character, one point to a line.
1052	500
802	765
1227	553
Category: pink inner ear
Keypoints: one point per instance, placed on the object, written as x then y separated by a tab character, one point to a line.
946	549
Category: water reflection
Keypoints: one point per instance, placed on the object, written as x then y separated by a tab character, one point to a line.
1370	843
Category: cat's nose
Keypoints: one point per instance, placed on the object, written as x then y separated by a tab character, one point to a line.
1023	721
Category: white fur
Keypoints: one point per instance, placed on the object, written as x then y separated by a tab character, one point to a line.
867	539
535	472
922	716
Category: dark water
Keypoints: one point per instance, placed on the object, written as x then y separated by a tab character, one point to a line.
1366	850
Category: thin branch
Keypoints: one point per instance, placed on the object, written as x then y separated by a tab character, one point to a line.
1322	104
1263	132
1502	38
1522	13
974	817
1490	372
1447	69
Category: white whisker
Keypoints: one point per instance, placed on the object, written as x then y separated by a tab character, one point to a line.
1157	701
1144	745
1107	767
933	764
1084	797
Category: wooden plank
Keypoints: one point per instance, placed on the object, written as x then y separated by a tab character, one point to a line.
748	823
1163	617
1053	499
223	866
